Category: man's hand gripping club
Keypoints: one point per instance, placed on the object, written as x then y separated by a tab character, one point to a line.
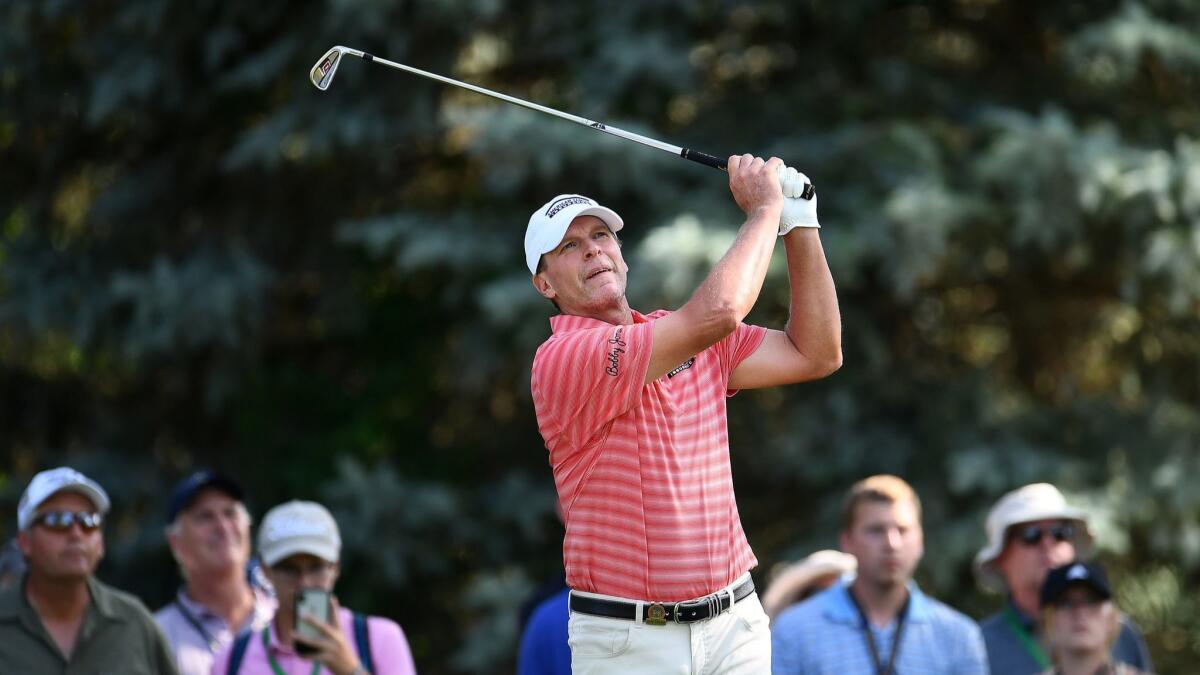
797	211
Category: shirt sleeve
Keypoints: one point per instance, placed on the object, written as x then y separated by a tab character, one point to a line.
584	379
1131	646
973	658
737	347
530	657
389	648
159	655
786	656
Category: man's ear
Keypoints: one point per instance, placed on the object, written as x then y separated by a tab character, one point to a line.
542	284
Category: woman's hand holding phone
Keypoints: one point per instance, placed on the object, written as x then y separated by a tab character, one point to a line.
330	646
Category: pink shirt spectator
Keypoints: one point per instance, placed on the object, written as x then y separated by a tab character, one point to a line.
389	650
642	470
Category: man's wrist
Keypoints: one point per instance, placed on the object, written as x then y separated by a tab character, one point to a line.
768	212
359	670
785	230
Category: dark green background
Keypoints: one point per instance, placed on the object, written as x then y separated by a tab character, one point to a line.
204	261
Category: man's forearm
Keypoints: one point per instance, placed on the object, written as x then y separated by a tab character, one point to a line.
736	280
814	322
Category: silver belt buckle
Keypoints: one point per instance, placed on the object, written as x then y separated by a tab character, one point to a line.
675	612
690	605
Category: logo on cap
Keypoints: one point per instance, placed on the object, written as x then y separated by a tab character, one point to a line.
1077	572
295	527
561	204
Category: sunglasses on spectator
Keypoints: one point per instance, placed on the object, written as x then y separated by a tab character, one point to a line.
62	521
1031	535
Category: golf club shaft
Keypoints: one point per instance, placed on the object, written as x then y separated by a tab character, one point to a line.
686	153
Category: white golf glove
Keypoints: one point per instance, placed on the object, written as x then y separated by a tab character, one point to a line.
797	211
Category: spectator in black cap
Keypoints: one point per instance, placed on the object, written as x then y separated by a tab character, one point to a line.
1081	622
208	529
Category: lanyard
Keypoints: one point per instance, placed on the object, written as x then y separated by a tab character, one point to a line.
880	669
1031	647
213	645
271	657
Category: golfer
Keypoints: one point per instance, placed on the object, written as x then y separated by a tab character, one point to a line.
632	410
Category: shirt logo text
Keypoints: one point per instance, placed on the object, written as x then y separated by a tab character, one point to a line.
682	367
614	355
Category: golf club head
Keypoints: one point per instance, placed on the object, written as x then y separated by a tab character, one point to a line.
322	72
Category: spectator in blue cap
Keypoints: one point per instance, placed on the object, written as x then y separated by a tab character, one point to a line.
208	530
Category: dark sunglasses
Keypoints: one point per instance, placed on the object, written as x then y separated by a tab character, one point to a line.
1031	535
63	520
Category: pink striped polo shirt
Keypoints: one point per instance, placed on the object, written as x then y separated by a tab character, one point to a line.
642	470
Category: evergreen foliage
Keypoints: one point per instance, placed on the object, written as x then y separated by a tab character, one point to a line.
204	261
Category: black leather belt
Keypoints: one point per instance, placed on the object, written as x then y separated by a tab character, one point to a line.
659	613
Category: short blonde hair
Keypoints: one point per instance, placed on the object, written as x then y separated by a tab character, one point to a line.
883	488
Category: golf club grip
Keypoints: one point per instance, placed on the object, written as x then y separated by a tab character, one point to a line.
718	163
703	158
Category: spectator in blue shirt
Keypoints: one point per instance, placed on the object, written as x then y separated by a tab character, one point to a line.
544	648
879	622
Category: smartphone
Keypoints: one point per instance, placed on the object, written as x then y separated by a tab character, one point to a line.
314	602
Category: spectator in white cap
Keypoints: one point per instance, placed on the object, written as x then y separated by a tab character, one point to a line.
300	546
1031	531
59	618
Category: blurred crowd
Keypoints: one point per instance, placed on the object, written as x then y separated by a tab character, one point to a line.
268	614
273	610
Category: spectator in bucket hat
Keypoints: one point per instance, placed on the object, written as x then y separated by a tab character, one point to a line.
1032	530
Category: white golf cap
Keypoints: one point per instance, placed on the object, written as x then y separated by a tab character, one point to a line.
298	527
53	481
1038	501
549	223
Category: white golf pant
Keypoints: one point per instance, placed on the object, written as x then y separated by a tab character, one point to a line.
735	642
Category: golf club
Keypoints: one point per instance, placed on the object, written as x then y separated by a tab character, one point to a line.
323	71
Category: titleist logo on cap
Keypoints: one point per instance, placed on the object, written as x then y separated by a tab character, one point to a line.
294	527
565	202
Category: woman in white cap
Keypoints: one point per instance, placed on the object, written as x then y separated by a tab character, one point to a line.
300	545
1081	622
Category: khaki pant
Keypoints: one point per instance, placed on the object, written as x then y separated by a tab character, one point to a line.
736	642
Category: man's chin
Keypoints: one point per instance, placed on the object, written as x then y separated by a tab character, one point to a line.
218	563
